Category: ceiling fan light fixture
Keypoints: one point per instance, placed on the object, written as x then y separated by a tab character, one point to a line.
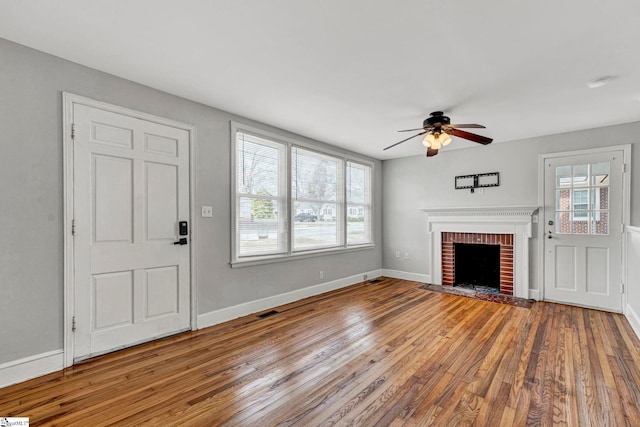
436	140
437	128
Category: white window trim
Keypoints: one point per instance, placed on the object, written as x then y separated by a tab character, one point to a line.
290	253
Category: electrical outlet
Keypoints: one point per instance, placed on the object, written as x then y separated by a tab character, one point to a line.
397	254
207	212
321	274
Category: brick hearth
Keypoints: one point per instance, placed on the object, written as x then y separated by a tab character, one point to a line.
506	256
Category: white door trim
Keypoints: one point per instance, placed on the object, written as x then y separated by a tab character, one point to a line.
626	200
68	101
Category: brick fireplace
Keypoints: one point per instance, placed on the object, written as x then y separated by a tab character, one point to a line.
509	227
504	241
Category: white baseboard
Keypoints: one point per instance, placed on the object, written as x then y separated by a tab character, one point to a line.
634	319
229	313
534	294
30	367
397	274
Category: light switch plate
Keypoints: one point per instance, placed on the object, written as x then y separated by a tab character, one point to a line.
207	211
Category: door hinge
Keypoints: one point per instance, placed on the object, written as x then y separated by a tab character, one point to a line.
73	131
624	168
73	324
622	288
73	227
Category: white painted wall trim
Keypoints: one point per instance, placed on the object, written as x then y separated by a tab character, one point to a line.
405	275
534	294
632	277
634	319
30	367
229	313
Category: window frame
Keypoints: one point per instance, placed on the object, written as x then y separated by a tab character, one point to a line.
289	253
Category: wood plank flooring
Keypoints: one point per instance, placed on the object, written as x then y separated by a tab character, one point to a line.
383	354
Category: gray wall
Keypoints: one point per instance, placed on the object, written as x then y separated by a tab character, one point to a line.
415	183
31	206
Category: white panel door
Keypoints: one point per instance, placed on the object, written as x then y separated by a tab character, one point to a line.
131	189
583	230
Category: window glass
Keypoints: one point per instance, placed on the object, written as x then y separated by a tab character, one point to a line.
358	204
582	199
291	199
316	185
260	205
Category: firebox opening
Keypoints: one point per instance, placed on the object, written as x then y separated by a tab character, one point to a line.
477	266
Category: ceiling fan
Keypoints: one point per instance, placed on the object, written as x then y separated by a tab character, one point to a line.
438	127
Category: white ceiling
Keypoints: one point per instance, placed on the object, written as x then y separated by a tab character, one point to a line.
353	72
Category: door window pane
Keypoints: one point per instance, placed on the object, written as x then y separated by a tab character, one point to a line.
563	222
580	205
582	199
600	174
600	223
580	226
563	176
580	175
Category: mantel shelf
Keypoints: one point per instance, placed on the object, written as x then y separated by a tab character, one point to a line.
482	211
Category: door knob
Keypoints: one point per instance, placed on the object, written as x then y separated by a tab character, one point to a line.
182	241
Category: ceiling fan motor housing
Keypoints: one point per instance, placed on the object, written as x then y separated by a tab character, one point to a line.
437	119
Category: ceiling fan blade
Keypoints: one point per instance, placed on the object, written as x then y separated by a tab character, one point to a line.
431	152
400	142
470	136
409	130
467	125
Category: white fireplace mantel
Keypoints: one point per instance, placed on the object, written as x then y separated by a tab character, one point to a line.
514	220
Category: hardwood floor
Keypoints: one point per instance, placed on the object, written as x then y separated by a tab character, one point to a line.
371	354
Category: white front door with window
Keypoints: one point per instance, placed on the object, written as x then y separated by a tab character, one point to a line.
130	191
583	229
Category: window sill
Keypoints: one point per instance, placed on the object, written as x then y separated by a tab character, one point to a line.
296	256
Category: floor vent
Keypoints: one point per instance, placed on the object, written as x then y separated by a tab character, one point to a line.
375	281
267	314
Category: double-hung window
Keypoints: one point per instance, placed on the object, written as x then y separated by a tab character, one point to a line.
292	199
260	196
